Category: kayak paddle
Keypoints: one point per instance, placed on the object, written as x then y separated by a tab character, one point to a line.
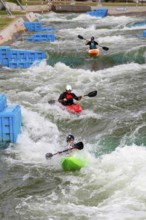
51	101
78	146
90	94
82	38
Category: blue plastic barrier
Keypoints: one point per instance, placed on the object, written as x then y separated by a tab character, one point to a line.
5	61
36	26
10	124
41	38
20	55
20	64
3	102
141	35
98	12
17	58
4	52
144	33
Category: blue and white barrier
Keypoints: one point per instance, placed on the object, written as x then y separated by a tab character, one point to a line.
100	13
17	58
41	38
10	121
36	26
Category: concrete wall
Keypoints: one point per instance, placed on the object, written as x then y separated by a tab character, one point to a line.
70	8
16	27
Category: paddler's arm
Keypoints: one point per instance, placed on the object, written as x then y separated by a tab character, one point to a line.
78	98
62	99
87	42
96	43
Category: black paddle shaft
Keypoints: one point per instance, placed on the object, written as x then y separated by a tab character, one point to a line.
78	146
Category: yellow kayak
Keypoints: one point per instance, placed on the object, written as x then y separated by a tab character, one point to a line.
94	52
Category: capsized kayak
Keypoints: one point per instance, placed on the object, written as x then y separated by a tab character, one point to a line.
94	52
76	108
72	163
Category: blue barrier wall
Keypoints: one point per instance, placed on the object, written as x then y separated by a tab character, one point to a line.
17	58
10	121
3	102
36	26
100	13
10	124
144	33
41	38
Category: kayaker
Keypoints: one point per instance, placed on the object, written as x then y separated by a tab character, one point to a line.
67	97
71	144
92	43
70	140
71	147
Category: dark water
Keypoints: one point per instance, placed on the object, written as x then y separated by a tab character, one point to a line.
112	125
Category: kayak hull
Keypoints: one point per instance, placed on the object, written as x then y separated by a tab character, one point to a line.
74	108
72	163
94	52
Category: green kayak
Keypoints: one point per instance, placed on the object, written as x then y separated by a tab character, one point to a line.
72	163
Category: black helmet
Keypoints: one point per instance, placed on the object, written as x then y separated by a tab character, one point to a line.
70	138
92	38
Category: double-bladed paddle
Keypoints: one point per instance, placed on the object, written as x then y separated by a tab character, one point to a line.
90	94
78	146
82	38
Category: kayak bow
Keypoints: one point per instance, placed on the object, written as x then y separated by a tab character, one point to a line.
72	163
76	108
94	52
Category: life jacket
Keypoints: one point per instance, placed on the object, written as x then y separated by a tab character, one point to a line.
69	96
92	45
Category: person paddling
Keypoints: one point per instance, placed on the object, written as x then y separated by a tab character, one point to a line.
92	43
70	146
67	97
70	142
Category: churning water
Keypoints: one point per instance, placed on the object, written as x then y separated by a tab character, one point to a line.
112	125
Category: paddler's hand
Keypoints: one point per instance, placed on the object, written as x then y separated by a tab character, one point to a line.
80	97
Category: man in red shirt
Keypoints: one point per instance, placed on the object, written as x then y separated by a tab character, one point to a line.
67	97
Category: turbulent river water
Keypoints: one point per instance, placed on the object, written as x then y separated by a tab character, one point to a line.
112	125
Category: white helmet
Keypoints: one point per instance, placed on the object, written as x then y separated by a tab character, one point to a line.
68	87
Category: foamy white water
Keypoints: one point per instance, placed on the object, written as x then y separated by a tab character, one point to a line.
112	125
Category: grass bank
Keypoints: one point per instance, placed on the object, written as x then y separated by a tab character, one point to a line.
6	19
